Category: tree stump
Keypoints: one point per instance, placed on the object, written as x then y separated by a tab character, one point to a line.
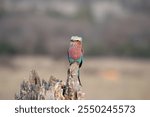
53	89
73	88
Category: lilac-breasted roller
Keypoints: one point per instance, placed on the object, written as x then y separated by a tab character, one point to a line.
75	52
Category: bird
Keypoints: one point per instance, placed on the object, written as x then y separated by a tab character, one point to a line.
75	53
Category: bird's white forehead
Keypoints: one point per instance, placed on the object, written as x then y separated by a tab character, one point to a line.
76	38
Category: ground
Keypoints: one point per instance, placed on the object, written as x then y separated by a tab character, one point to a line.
101	77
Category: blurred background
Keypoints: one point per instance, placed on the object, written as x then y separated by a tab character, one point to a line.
35	34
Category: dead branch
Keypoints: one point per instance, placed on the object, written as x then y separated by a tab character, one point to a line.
53	89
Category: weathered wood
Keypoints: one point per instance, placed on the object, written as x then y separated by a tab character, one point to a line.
73	88
53	89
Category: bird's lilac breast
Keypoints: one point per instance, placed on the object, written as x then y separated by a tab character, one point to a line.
75	53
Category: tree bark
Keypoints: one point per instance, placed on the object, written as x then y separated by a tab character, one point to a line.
53	89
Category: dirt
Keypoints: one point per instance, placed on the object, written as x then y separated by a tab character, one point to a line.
102	77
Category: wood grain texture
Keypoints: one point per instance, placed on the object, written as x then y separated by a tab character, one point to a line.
36	88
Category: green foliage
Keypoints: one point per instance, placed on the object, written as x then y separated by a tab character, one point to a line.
54	14
95	50
126	49
84	14
131	49
2	13
6	48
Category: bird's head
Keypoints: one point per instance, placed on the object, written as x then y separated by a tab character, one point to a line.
76	40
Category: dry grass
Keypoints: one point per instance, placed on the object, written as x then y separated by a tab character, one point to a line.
102	78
